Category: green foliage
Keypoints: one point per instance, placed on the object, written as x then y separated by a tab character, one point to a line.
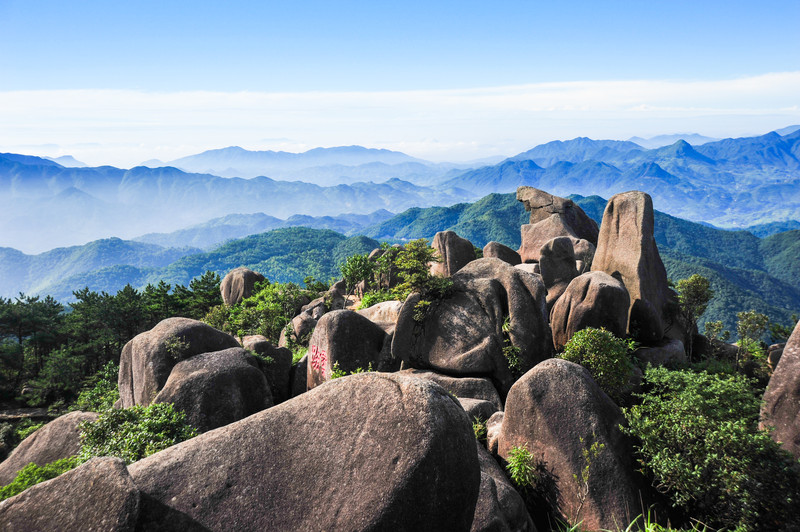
715	332
751	325
26	427
356	269
101	391
337	372
522	467
589	454
479	428
413	265
134	433
781	333
176	348
605	356
698	439
511	354
694	294
266	312
421	310
33	474
373	297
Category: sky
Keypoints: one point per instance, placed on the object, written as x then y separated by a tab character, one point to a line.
124	82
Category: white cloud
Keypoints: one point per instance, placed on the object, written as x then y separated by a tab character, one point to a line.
125	127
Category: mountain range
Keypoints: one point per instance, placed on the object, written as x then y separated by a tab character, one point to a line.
732	183
746	272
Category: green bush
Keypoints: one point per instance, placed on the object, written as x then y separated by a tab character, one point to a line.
606	357
26	427
101	392
33	474
699	442
522	467
134	433
373	297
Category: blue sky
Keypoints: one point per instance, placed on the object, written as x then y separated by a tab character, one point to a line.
114	81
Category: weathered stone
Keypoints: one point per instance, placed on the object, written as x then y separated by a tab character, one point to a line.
215	389
493	426
461	387
557	411
542	205
781	408
530	267
299	376
774	354
238	284
477	408
504	253
98	496
383	314
350	340
455	252
557	263
464	333
594	299
626	247
277	371
669	354
534	236
372	451
56	440
148	359
500	507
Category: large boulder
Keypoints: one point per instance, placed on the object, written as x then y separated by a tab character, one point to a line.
492	305
99	496
383	314
594	299
542	205
238	284
500	507
372	451
557	263
461	387
352	341
298	377
557	411
277	371
148	359
781	408
58	439
455	252
534	236
215	389
502	252
626	248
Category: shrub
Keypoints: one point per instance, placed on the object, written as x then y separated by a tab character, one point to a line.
479	428
605	356
373	297
26	427
134	433
33	474
101	391
522	467
699	442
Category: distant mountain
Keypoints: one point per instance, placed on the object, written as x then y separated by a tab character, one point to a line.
218	230
787	130
746	272
576	151
727	183
67	160
665	140
772	228
36	273
45	205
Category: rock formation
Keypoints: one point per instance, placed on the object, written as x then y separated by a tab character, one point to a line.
504	253
215	389
626	248
782	399
148	359
594	299
455	252
238	284
542	206
557	431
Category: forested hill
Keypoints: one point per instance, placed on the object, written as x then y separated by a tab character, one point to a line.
283	255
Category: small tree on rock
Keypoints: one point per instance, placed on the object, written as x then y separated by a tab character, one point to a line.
694	294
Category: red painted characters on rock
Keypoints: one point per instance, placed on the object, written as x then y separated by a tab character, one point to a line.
319	359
